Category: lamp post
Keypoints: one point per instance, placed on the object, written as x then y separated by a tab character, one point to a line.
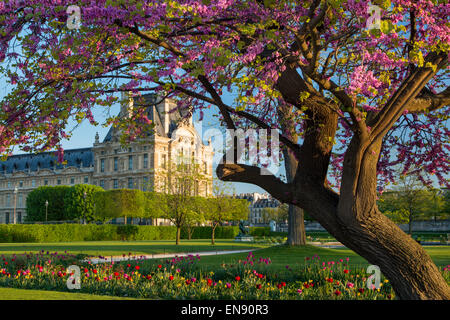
16	190
46	210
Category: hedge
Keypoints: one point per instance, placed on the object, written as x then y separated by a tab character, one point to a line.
117	203
106	232
265	232
55	195
205	232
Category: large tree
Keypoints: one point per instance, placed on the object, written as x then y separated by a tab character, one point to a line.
368	96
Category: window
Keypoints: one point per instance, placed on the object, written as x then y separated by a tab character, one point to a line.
9	185
164	160
130	183
145	160
8	200
115	184
20	200
130	162
7	217
102	184
86	179
19	217
116	151
116	163
45	182
21	184
72	180
59	181
102	165
33	183
130	149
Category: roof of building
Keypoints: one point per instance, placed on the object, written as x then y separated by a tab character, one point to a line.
157	117
266	203
82	157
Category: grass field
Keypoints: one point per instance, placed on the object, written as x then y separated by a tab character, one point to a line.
27	294
281	256
115	248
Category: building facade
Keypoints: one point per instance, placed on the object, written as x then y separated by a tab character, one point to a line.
257	203
140	165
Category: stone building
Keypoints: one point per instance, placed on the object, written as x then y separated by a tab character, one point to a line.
257	203
141	164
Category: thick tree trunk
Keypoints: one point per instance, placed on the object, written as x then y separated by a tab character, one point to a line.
296	227
367	231
296	224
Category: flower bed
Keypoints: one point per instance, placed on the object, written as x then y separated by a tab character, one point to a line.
186	278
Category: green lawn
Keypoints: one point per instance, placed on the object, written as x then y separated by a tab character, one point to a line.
116	248
281	256
26	294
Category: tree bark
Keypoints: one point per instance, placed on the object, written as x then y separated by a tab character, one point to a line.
296	227
213	233
296	224
177	241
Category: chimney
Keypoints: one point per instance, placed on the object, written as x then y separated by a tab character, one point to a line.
163	110
126	106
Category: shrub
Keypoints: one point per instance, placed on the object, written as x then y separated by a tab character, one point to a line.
35	204
77	206
119	203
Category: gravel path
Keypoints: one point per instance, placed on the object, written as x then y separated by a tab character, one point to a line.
164	255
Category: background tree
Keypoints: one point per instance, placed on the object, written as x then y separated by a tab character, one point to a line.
120	203
436	205
181	181
369	98
279	214
409	201
77	206
153	209
199	207
223	207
